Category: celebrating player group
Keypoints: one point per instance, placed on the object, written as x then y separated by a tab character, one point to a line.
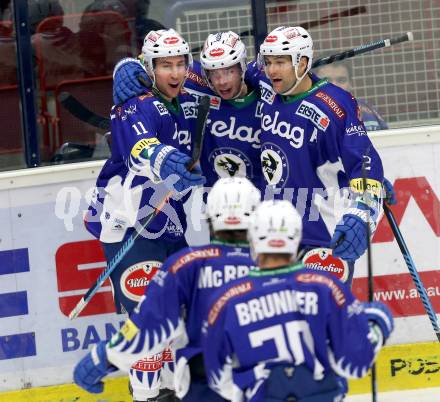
264	310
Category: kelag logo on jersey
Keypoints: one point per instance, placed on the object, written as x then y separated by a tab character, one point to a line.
230	162
220	128
314	114
274	165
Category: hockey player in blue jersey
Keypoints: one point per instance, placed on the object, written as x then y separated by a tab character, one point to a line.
315	150
173	307
151	144
308	161
231	146
285	333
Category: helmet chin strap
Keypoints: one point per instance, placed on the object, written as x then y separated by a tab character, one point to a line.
297	82
242	91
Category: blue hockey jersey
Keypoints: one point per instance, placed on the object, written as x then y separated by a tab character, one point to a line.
126	188
313	146
288	315
231	146
174	306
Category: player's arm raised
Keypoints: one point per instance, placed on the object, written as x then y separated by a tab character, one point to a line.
141	149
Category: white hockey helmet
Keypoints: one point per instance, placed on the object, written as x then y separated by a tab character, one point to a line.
231	202
222	50
164	43
295	42
275	228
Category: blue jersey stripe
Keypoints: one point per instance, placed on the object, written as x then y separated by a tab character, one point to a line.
18	345
14	261
13	304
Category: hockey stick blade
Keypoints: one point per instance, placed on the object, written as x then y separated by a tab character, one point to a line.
363	49
81	112
413	271
202	116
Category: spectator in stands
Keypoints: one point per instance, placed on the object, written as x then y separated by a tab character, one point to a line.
5	10
134	11
40	9
340	74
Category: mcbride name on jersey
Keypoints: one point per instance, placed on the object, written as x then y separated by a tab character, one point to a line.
313	146
231	146
126	189
175	303
292	315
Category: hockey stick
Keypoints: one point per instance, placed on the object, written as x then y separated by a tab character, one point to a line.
81	112
369	267
84	114
363	49
202	115
413	270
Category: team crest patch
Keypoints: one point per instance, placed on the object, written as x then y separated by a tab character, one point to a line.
274	165
321	259
136	278
230	162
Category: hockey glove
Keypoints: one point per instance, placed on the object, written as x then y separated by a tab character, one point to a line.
167	160
90	370
379	316
390	194
349	240
125	80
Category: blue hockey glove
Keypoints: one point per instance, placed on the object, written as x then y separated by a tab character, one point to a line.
90	370
380	315
125	80
167	160
390	194
349	240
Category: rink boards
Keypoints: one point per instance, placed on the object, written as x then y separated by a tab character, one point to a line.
48	261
